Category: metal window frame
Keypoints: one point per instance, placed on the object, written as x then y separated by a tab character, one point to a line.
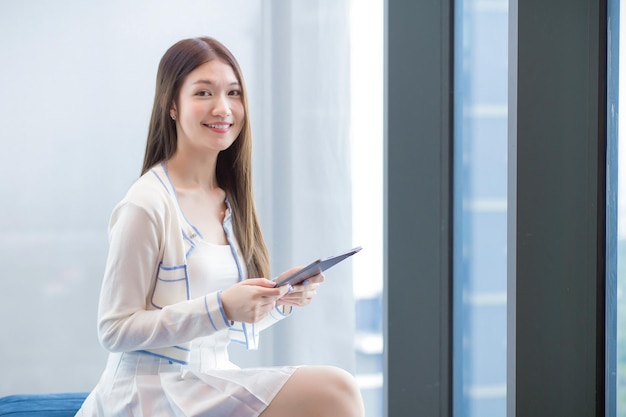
418	208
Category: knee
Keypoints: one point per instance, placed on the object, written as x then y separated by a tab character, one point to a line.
342	390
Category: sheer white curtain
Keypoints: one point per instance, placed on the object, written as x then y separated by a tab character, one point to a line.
303	159
77	85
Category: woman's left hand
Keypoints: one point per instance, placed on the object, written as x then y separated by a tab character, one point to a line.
303	293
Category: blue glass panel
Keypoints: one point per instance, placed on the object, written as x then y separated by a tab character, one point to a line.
480	208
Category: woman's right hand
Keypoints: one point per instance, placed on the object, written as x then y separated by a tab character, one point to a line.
251	300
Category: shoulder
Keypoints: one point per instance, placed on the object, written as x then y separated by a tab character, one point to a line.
149	194
151	191
147	187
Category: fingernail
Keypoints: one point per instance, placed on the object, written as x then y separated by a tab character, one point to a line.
305	283
290	288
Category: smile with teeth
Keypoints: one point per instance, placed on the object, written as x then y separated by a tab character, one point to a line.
220	126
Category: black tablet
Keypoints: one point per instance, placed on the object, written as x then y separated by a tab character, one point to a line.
316	267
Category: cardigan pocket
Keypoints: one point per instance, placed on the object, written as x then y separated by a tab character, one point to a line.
171	286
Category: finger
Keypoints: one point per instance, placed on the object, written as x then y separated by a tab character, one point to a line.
305	288
267	307
298	296
285	289
303	293
262	282
315	279
288	272
271	293
295	302
284	302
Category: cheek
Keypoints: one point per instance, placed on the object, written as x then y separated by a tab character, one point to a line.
239	114
191	111
196	111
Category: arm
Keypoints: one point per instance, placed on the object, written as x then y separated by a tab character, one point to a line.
126	319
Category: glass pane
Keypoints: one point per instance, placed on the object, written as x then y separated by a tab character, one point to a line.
366	103
480	207
616	258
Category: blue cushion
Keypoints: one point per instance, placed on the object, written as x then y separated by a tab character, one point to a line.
64	404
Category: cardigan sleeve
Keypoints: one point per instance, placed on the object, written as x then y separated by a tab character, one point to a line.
248	333
130	315
275	315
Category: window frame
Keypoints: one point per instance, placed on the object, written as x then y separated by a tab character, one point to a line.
560	238
418	208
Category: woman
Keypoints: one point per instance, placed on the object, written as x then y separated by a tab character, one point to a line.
187	261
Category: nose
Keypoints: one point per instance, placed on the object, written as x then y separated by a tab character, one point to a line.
222	106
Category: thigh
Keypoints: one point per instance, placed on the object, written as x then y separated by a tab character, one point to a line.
317	391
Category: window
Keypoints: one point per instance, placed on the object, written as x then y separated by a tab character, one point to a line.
366	78
480	213
618	368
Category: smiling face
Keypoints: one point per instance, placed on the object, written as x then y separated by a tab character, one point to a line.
209	112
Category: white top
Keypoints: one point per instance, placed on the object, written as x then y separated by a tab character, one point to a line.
216	262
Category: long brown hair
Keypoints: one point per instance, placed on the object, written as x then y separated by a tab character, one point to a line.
234	165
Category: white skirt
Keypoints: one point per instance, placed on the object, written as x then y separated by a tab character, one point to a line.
141	385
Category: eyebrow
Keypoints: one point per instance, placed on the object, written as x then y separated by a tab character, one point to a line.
209	82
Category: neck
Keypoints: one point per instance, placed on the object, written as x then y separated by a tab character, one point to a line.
192	171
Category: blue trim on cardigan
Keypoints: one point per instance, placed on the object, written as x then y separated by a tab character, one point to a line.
164	357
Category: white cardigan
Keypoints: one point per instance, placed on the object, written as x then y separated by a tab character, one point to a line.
144	302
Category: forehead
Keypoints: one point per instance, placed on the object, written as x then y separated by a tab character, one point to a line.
214	72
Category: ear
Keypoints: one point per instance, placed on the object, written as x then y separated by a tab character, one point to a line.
173	112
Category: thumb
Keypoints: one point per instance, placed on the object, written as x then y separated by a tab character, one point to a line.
262	282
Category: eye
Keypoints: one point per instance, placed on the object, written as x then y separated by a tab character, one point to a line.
203	93
234	93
